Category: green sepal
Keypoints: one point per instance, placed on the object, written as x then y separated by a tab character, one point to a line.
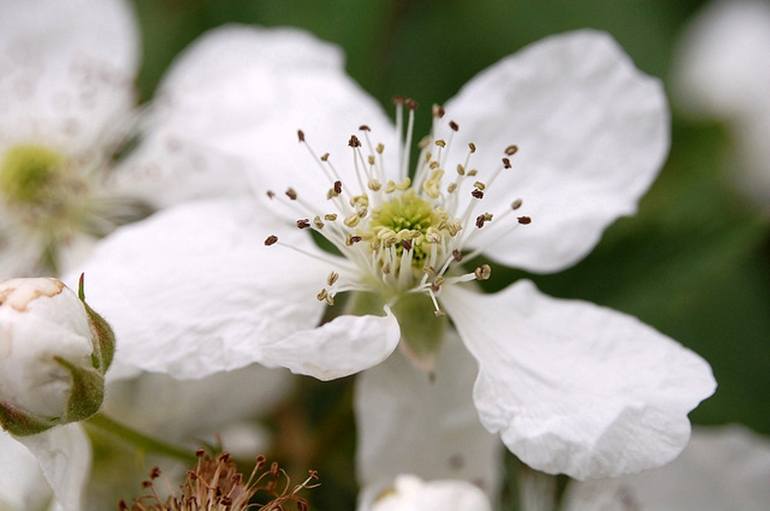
421	329
86	392
104	349
22	423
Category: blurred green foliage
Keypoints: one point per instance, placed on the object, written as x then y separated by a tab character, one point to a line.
694	262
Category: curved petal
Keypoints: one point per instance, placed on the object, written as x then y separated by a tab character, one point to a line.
193	290
716	69
409	493
576	388
722	468
64	454
22	485
238	96
180	409
66	71
398	408
345	345
592	133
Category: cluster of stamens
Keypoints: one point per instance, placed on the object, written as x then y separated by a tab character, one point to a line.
216	484
402	234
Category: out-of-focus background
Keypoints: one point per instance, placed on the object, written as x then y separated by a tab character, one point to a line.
694	263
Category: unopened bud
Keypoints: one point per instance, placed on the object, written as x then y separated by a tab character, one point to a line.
54	353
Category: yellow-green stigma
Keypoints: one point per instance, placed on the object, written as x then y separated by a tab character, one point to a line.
28	173
409	220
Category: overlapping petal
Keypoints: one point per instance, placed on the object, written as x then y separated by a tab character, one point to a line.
22	485
235	100
399	408
722	468
576	388
66	71
64	455
409	493
592	132
193	290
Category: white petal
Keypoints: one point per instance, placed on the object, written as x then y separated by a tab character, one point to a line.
411	494
346	345
592	133
22	485
399	407
722	468
576	388
238	96
66	70
64	454
178	410
721	66
193	290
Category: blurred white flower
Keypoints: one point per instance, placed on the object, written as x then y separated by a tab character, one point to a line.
409	493
722	71
67	105
722	468
22	485
570	386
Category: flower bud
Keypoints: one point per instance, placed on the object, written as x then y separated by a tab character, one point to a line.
54	352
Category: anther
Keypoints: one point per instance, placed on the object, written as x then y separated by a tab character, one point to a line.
457	255
511	150
325	157
338	187
483	272
441	143
406	244
332	278
303	223
472	147
318	223
473	172
301	135
478	194
271	240
291	193
438	111
364	127
516	204
354	142
411	104
398	100
460	169
506	163
479	186
454	126
524	220
330	217
380	148
352	240
270	194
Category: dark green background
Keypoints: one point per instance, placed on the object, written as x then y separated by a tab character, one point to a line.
694	261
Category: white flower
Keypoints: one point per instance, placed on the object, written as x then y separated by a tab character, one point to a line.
722	468
570	386
67	107
720	71
44	471
54	352
409	493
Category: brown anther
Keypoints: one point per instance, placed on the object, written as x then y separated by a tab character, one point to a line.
480	221
483	272
364	127
332	278
451	188
301	135
338	187
454	126
321	295
457	255
438	111
472	147
270	194
406	244
516	204
411	104
155	473
460	169
325	157
146	484
524	220
354	142
511	150
270	240
353	240
478	194
303	223
291	193
440	143
398	100
506	163
472	172
200	452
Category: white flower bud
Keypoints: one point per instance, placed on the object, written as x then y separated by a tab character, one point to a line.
54	351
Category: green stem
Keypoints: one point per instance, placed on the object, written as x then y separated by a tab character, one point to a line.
139	439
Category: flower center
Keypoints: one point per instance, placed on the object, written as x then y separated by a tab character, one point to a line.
29	174
404	235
